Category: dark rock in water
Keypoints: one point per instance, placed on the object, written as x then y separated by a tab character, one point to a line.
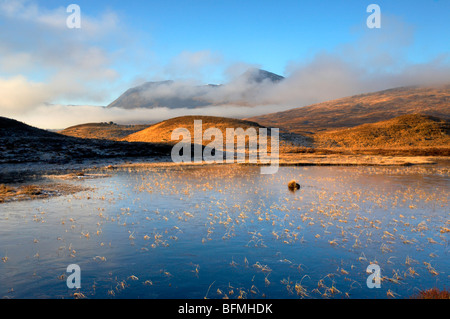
293	185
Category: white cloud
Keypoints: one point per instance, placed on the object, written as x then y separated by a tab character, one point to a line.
192	64
18	94
62	116
68	62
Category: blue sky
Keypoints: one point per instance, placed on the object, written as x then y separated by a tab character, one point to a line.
270	33
124	43
266	33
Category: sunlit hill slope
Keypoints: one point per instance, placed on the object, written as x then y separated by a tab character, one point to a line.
361	109
406	131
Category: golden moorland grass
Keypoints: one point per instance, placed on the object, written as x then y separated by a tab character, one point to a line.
403	132
162	131
406	135
432	293
361	109
26	192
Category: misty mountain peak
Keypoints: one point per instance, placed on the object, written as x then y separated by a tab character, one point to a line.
259	76
172	94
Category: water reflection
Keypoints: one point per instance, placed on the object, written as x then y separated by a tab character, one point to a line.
229	232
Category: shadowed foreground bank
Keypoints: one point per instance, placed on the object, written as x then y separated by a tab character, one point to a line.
21	143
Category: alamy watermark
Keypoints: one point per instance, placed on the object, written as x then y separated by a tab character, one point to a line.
374	20
73	21
374	280
234	153
74	279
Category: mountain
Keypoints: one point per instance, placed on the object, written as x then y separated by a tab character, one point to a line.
159	94
21	143
172	94
360	109
108	131
405	131
259	76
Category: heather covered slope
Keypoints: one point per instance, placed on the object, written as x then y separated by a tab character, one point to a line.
406	131
361	109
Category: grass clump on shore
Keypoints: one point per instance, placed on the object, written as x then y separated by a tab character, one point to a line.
433	293
26	192
5	189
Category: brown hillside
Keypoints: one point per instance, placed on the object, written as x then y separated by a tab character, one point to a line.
161	132
406	131
106	131
361	109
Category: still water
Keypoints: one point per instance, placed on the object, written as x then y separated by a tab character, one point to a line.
230	232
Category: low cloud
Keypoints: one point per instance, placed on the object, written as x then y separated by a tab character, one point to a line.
326	76
62	116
